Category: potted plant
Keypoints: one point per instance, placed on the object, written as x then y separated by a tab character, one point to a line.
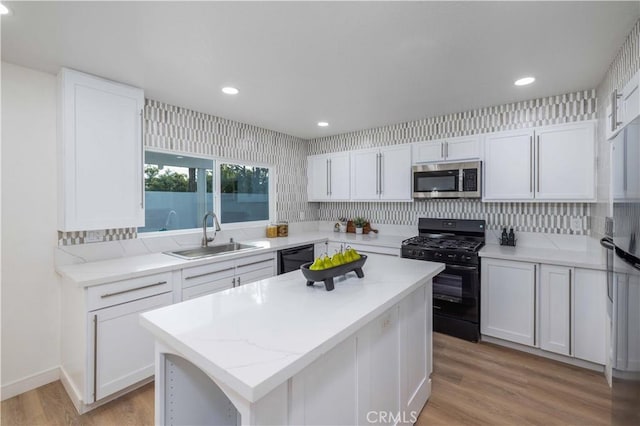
359	223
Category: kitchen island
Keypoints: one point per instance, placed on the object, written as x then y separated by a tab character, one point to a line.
279	352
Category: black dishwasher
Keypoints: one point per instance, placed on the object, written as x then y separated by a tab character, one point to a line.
292	258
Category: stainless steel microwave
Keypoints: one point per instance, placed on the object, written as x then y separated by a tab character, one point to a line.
447	180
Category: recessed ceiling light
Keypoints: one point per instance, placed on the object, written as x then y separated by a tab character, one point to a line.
230	90
4	10
524	81
322	124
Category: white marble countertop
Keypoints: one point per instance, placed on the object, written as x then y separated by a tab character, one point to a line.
254	337
578	259
126	267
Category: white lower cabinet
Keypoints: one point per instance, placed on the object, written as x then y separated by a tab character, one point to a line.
555	312
589	315
508	300
211	278
380	375
104	349
561	309
122	350
206	279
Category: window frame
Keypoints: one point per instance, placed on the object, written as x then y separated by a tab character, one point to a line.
216	162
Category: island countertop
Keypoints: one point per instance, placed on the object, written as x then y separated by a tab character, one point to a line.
254	337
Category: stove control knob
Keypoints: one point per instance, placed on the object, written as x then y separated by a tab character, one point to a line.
438	255
421	253
451	256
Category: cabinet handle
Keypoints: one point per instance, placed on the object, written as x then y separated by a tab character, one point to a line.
624	165
233	282
207	273
535	303
446	149
378	179
614	109
380	173
330	177
104	296
538	162
570	314
377	173
239	282
442	149
95	357
142	157
530	163
327	167
255	263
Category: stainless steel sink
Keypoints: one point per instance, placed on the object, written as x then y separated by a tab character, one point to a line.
214	250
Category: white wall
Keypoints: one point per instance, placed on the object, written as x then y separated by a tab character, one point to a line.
30	287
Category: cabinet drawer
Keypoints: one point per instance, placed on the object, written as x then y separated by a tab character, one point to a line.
365	249
252	263
255	275
206	273
207	288
127	290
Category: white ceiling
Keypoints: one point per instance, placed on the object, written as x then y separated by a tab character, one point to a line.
356	65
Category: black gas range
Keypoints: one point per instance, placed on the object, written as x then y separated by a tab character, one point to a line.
456	290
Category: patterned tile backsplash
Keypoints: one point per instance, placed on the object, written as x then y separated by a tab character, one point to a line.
553	218
80	237
524	217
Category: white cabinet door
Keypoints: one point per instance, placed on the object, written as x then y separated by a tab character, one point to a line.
122	348
100	153
630	100
565	162
395	173
555	312
619	181
255	268
429	151
318	177
631	177
365	175
325	393
508	294
589	315
339	176
464	148
508	162
415	349
378	361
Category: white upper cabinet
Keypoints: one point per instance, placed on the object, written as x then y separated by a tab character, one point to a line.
100	153
553	163
381	174
462	148
624	106
508	163
328	177
565	162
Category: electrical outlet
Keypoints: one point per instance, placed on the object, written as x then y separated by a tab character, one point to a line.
576	224
94	236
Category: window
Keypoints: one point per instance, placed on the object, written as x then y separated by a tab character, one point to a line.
244	193
180	189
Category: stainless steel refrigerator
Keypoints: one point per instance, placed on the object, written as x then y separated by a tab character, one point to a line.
625	277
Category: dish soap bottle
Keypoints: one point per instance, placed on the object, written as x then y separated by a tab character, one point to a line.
504	239
511	238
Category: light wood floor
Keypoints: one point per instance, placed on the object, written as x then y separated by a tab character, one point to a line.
473	384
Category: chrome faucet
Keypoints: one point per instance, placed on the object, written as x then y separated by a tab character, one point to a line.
205	239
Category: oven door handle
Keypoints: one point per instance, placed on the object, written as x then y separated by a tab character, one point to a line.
466	268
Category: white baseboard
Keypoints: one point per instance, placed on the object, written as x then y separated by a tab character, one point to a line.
17	387
74	394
